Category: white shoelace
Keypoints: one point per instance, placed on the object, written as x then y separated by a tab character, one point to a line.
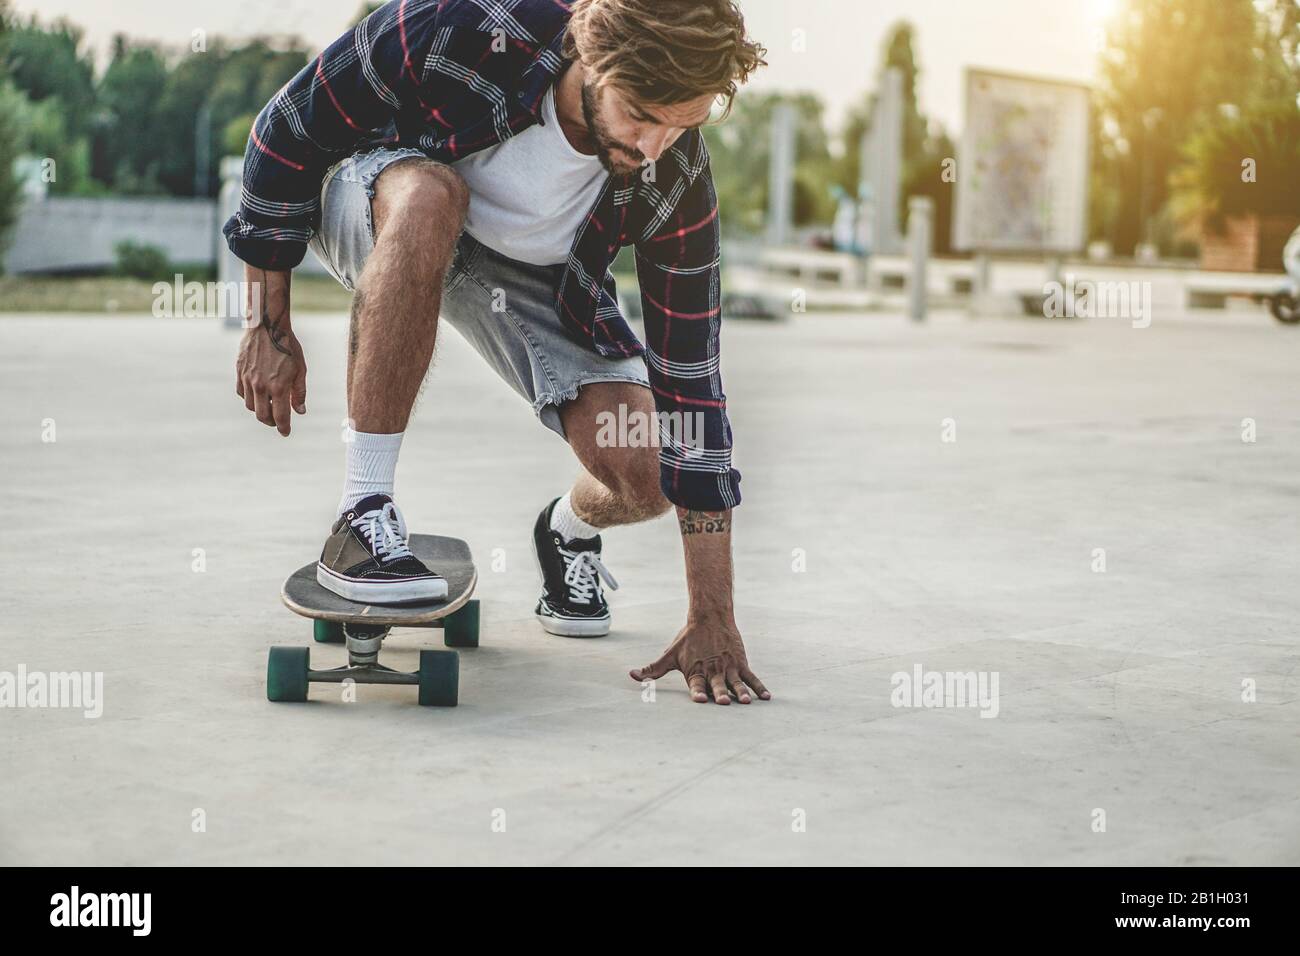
581	574
385	531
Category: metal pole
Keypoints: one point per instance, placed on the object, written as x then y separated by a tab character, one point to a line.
920	216
780	205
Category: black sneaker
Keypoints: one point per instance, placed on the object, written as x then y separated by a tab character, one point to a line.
572	603
366	558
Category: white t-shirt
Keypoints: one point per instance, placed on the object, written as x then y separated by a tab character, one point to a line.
529	194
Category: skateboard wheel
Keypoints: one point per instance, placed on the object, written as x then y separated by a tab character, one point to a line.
327	632
439	678
286	673
460	627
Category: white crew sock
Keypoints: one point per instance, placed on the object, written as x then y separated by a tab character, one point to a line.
372	466
566	521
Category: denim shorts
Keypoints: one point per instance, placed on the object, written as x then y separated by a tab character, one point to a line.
504	308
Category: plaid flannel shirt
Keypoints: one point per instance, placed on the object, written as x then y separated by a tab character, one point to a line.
452	77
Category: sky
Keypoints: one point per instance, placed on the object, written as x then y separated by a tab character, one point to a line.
840	39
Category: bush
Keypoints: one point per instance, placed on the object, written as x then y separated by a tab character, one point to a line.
1210	185
142	261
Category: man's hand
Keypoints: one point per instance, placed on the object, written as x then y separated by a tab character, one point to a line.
708	650
711	655
271	371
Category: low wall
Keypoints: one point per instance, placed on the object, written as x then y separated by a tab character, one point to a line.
64	233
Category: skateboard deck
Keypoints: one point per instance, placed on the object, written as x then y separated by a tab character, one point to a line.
363	628
449	557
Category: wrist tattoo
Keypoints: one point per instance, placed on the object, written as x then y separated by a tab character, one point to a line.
273	330
704	522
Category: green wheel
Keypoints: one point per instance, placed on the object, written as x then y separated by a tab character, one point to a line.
439	678
460	627
286	673
327	632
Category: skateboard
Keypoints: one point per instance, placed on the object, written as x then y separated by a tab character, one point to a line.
363	627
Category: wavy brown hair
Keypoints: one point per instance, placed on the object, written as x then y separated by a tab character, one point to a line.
664	52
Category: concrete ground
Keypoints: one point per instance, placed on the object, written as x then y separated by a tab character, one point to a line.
1147	713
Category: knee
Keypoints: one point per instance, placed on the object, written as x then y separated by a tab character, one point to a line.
421	196
634	478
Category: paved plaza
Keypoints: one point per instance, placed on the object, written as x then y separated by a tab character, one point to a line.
1100	523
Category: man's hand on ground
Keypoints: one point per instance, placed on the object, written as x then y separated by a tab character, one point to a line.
271	371
711	656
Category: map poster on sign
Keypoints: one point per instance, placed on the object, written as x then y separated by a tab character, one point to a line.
1022	174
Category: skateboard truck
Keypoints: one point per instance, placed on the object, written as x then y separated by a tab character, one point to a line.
363	628
289	669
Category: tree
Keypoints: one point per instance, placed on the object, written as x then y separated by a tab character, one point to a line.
49	63
926	145
740	149
1247	163
249	77
896	52
128	140
1167	68
11	105
182	105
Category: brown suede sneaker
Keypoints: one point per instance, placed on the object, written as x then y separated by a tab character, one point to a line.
366	558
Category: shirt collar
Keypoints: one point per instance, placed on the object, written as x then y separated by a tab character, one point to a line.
540	74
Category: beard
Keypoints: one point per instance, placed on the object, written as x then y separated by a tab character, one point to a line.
617	158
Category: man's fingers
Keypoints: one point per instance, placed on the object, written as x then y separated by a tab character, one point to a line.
249	395
299	396
262	407
281	411
736	686
699	688
654	671
719	685
239	383
755	683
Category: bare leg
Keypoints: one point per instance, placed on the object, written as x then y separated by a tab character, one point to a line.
419	207
618	485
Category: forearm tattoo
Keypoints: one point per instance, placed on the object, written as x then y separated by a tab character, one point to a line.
273	331
704	522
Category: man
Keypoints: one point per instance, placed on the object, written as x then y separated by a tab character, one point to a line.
485	160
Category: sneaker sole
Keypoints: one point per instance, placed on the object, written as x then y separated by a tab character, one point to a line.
567	627
573	627
382	592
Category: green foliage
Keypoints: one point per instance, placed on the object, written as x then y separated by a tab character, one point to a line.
235	136
923	175
54	80
140	128
142	261
739	151
49	63
1168	69
128	140
1213	184
926	145
897	51
248	78
11	105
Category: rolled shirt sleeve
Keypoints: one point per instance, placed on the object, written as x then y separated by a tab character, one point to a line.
678	268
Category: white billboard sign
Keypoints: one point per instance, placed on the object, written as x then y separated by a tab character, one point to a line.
1022	171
